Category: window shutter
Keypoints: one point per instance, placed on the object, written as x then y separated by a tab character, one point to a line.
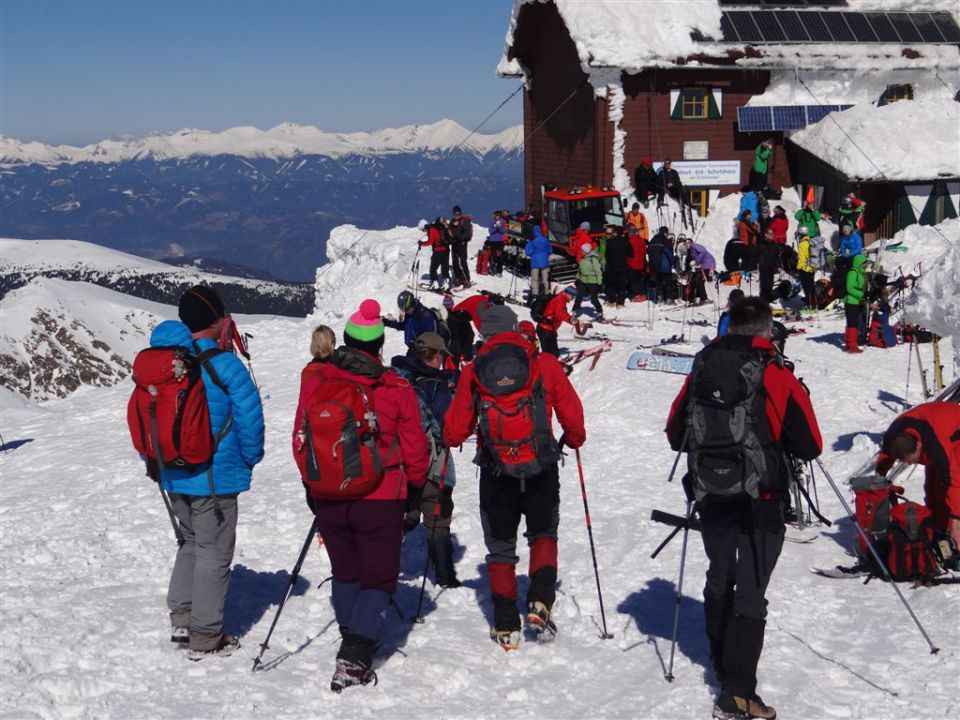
715	104
676	110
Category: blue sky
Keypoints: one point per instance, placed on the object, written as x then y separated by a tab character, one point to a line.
78	72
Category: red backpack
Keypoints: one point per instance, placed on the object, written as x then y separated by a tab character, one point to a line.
512	421
483	262
910	542
340	459
874	497
167	414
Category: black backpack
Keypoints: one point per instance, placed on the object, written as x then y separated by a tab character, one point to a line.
539	306
727	423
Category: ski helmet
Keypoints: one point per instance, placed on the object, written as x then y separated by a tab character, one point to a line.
405	300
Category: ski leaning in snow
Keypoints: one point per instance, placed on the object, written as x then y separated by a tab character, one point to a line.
642	360
592	352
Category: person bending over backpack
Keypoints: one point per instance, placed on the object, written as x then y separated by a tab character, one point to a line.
362	528
204	498
929	435
423	367
508	395
738	480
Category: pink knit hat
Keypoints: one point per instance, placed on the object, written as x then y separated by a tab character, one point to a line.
365	324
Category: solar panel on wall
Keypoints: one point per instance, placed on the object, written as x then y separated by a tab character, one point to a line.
947	26
882	27
792	26
745	26
754	119
905	28
769	27
815	26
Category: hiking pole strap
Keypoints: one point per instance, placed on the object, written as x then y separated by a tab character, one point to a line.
217	510
593	550
873	550
418	618
155	436
294	576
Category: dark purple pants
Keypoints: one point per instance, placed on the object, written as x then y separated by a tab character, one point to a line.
363	541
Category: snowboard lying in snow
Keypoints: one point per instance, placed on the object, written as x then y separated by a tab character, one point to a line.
642	360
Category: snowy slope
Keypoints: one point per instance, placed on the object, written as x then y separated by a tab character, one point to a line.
286	140
84	633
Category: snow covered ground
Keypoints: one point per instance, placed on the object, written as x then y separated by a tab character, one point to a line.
86	551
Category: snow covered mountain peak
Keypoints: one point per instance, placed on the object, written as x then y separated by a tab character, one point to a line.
283	141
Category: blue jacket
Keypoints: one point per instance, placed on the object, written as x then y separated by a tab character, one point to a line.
750	202
724	324
495	231
851	244
242	447
416	322
539	249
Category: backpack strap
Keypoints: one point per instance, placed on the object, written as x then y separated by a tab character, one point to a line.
204	357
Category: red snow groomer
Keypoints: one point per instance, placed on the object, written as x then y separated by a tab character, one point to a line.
562	213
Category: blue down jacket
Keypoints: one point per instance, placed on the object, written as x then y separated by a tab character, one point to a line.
538	249
242	446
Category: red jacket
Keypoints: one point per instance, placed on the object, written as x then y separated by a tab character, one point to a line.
555	312
748	232
638	261
562	399
436	239
936	425
401	441
473	306
780	225
576	242
790	416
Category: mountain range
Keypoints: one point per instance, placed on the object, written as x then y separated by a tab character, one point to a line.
265	200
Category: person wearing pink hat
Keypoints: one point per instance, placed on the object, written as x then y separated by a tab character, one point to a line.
363	535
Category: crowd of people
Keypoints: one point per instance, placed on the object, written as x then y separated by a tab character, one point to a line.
374	441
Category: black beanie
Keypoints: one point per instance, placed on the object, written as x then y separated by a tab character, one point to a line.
371	347
200	307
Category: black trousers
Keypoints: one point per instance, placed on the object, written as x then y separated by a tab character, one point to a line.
588	290
742	540
806	282
548	341
441	261
460	267
616	286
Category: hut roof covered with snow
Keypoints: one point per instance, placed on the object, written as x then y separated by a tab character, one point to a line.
837	34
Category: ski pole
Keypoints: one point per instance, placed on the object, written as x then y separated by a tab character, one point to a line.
155	435
873	551
593	551
418	618
676	612
294	576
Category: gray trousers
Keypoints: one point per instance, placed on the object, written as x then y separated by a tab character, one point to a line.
201	573
539	281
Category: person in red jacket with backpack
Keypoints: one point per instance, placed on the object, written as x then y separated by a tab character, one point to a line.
362	532
929	435
738	413
508	395
438	239
550	316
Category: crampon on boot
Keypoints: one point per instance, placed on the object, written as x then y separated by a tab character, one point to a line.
506	639
354	663
540	623
731	707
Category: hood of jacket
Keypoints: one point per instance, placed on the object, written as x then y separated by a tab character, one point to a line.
537	233
415	367
858	261
357	362
171	333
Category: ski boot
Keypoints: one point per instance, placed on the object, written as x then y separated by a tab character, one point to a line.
506	639
540	623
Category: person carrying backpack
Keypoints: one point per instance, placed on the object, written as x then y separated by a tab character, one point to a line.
550	312
461	233
363	446
416	319
929	435
538	250
739	412
438	239
806	272
203	495
508	396
423	367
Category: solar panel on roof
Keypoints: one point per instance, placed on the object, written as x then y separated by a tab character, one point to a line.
860	27
769	27
905	28
838	26
726	27
745	26
947	25
792	25
815	26
882	27
927	27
